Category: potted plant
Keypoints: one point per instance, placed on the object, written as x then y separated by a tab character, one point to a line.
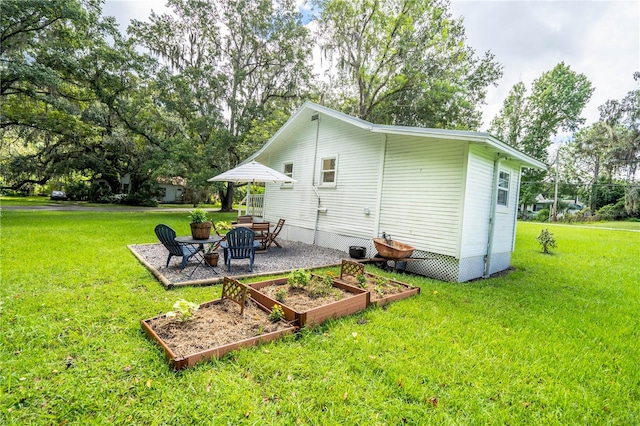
200	225
211	257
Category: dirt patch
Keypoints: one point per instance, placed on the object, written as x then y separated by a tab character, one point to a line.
213	326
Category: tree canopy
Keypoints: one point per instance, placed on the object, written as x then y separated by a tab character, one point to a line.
402	62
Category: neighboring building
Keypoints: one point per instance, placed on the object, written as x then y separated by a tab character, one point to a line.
451	194
172	189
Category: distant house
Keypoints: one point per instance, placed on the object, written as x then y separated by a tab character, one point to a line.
451	194
172	189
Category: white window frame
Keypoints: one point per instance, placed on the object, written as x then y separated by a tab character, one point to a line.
284	172
504	181
323	171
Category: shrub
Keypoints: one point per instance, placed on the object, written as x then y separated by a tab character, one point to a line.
546	240
541	215
612	211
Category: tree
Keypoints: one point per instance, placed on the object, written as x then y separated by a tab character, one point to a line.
402	62
225	65
65	71
528	123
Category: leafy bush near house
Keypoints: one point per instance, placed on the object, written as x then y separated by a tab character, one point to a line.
612	211
541	215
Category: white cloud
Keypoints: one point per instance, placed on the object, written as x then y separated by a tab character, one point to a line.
600	39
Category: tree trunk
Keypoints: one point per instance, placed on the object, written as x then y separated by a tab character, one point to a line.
226	198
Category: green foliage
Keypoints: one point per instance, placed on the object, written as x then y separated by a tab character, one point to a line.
276	313
542	215
299	278
198	216
281	294
612	211
321	286
402	63
546	240
528	123
223	225
66	73
226	68
183	310
632	200
362	280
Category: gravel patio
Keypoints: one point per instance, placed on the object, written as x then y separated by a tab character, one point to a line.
293	255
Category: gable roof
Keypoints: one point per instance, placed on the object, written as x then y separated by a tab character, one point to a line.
310	108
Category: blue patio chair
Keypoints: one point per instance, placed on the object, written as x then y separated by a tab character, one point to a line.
167	237
240	244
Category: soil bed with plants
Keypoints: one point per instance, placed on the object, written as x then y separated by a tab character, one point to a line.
380	290
212	329
308	298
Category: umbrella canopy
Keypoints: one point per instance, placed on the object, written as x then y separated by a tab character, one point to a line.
252	172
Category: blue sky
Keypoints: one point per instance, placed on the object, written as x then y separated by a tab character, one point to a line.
600	39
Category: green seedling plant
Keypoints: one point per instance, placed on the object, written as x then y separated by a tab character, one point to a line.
362	280
281	294
328	278
299	278
277	313
183	310
546	241
322	286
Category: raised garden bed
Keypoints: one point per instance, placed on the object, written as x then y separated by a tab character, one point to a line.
380	290
217	328
303	308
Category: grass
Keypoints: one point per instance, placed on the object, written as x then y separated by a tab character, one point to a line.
556	341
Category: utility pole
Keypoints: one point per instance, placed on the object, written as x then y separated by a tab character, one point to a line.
555	196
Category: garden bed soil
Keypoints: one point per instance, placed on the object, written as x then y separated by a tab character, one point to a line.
215	329
301	308
381	290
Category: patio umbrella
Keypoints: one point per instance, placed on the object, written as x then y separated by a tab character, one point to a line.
252	172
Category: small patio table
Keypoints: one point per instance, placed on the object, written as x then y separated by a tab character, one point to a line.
199	246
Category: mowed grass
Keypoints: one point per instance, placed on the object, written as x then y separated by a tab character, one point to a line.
556	341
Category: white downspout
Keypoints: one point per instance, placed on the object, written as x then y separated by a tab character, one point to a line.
492	216
315	117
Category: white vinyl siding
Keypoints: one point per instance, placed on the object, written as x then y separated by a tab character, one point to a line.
422	192
477	204
357	152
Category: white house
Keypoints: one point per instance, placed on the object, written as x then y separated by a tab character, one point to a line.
172	189
451	194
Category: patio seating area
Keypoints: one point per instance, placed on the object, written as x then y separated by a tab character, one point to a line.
292	255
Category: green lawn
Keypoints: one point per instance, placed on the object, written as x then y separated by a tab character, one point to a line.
556	341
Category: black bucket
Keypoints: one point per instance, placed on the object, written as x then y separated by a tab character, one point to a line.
357	252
